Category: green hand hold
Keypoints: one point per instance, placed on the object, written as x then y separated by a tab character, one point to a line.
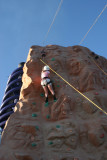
42	95
46	104
50	143
34	103
34	144
58	126
34	115
48	116
53	59
37	127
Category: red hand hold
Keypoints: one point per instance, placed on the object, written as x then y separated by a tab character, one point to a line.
101	112
102	135
96	93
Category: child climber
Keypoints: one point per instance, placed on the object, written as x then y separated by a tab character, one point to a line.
46	83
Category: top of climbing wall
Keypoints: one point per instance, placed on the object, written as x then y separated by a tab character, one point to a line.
71	128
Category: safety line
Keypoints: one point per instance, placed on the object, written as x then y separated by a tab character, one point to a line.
53	20
100	68
75	88
93	24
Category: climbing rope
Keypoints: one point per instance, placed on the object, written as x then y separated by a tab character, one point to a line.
89	31
93	24
53	21
99	67
75	88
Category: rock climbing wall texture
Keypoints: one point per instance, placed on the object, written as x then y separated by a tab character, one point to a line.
71	128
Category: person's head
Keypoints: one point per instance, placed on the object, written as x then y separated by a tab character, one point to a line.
46	68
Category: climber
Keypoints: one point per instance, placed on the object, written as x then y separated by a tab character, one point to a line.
43	53
96	57
46	83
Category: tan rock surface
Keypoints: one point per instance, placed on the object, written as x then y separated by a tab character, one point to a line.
69	129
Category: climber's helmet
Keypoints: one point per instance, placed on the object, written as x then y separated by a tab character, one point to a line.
46	68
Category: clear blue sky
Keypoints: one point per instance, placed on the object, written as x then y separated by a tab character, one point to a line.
24	23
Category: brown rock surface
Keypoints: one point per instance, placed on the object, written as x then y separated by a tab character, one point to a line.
69	129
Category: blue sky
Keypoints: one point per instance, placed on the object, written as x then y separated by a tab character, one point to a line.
24	23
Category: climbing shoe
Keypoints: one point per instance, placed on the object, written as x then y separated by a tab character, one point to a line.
46	100
54	97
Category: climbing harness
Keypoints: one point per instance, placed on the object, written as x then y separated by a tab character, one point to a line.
75	89
45	82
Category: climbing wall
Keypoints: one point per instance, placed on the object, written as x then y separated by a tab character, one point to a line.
72	128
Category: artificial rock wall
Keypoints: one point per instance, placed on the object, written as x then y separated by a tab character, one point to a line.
71	128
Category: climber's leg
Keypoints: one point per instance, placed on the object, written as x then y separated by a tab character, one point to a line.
51	90
46	93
